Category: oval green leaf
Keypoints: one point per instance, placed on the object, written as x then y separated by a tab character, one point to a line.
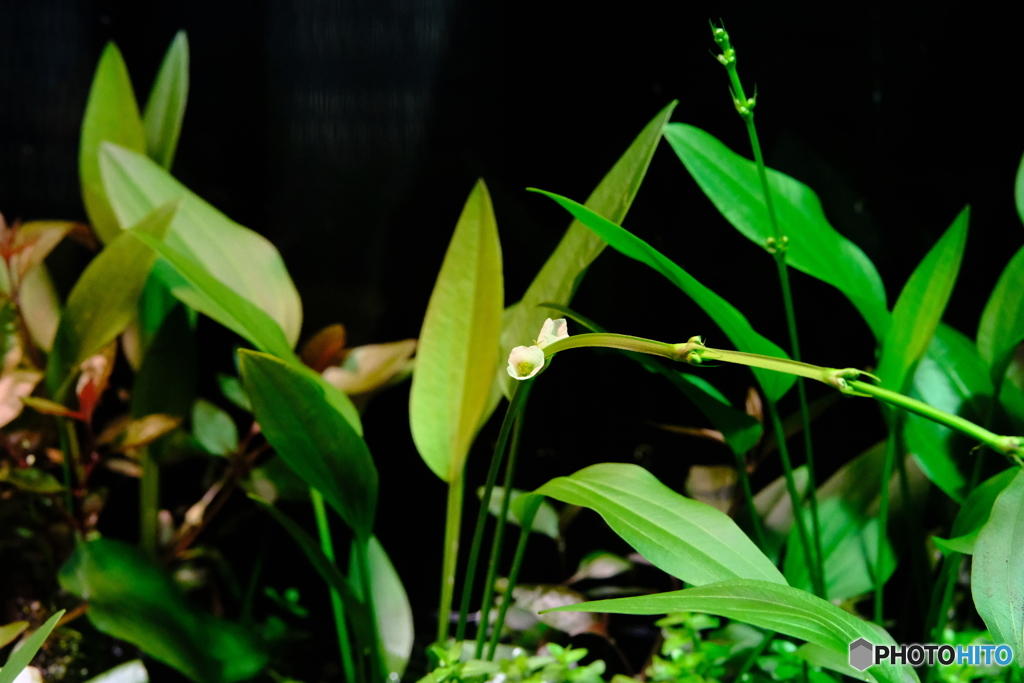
165	109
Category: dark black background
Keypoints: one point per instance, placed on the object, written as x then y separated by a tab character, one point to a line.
350	134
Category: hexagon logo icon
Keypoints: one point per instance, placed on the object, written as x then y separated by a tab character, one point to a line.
861	654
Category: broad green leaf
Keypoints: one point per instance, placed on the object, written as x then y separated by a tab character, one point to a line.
312	435
951	377
129	672
997	574
732	184
166	380
560	275
688	539
165	108
975	511
111	115
132	599
104	299
780	608
243	260
1002	322
920	306
214	428
545	522
390	604
740	430
732	322
21	657
458	343
8	632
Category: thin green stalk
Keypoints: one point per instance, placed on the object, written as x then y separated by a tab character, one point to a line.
452	524
754	654
250	589
377	661
499	536
513	576
748	496
327	546
516	402
883	516
149	503
917	547
817	580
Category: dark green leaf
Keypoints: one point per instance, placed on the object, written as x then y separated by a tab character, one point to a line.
311	434
560	275
214	428
974	513
390	604
732	184
131	599
233	391
458	344
920	306
20	658
688	539
274	480
1002	322
166	381
165	108
105	297
31	479
111	115
732	322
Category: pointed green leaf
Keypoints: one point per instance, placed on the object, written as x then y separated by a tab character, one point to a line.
132	599
458	344
111	115
776	607
1002	322
165	108
920	306
390	604
732	322
951	377
732	184
560	275
312	436
688	539
104	299
243	260
997	574
8	632
21	657
166	380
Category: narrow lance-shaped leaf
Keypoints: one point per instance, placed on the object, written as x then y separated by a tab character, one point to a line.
312	436
243	260
732	322
688	539
458	344
165	108
390	604
560	275
19	659
974	513
104	298
111	115
997	574
776	607
920	306
1002	322
732	184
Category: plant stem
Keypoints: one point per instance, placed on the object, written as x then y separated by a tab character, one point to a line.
69	446
327	546
452	524
516	402
499	536
754	654
817	581
513	576
883	515
748	496
149	503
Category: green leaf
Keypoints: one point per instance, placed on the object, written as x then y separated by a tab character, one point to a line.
732	322
688	539
776	607
214	428
1018	190
233	391
104	299
21	657
951	377
560	275
732	184
111	115
274	480
241	259
40	306
997	574
390	604
165	108
8	632
1002	322
31	479
545	522
920	306
313	436
133	600
458	344
166	381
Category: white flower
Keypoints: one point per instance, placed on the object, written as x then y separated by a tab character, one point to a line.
552	331
525	361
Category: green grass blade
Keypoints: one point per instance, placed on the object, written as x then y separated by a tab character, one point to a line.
18	660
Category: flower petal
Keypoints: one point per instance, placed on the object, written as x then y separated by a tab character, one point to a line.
552	331
525	361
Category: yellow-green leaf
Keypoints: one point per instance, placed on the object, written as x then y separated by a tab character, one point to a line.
165	108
